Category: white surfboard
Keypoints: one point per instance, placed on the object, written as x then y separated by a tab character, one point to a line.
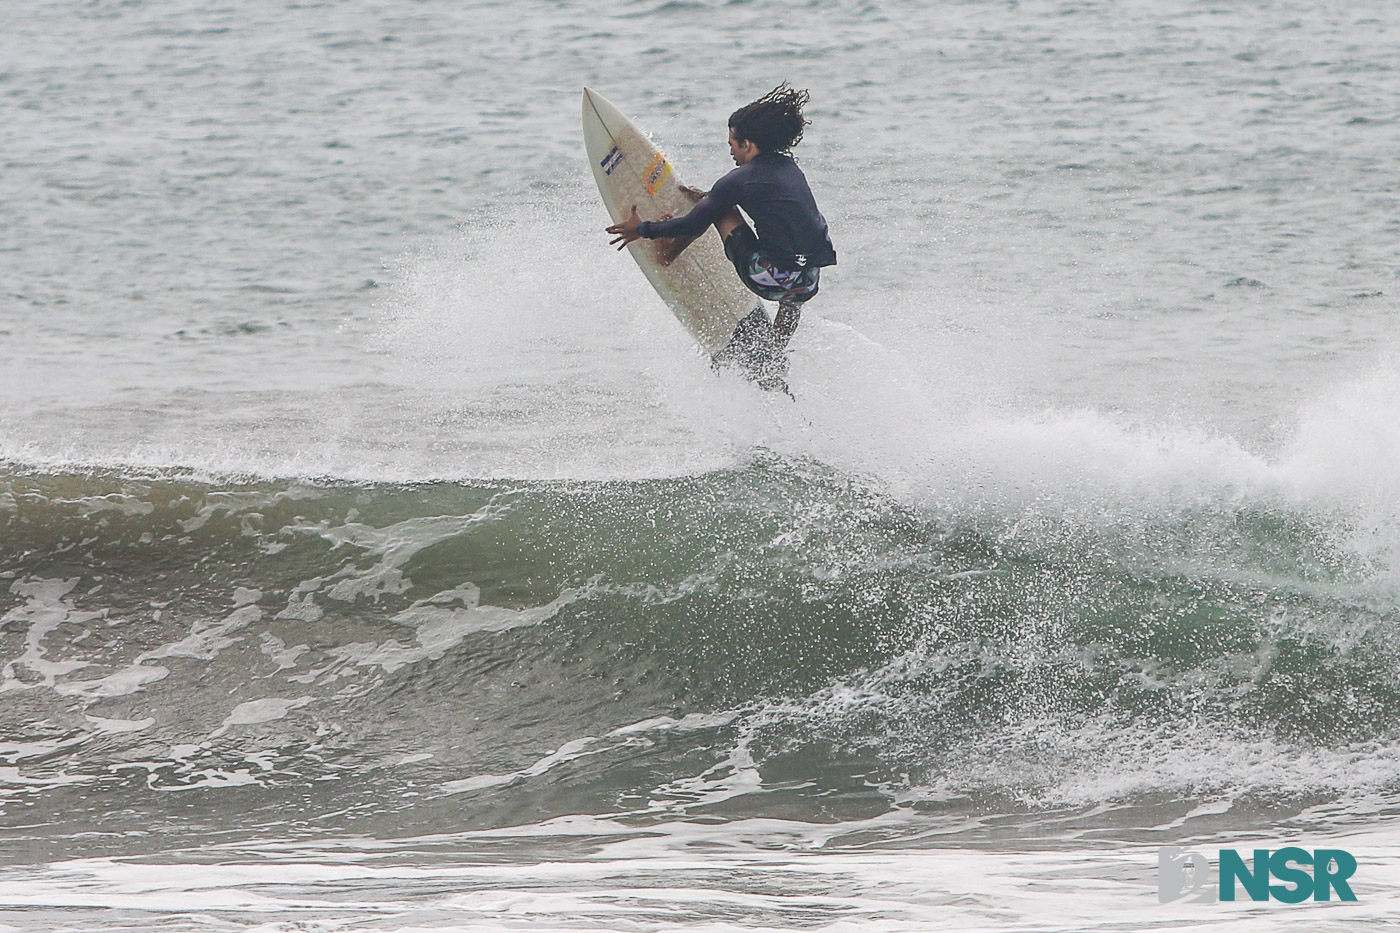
700	287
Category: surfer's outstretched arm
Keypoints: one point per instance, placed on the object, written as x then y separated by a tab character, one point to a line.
674	234
666	249
706	211
669	248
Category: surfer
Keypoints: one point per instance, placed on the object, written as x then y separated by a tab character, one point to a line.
782	260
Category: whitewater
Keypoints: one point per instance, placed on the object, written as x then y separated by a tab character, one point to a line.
377	552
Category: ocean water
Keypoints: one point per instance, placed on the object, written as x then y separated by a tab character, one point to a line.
377	553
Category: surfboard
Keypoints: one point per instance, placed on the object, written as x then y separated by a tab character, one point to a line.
700	286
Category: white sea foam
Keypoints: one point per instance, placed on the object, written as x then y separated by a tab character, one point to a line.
46	608
252	712
500	374
634	735
438	627
751	875
119	726
1345	456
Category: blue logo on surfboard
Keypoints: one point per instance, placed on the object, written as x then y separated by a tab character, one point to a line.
610	160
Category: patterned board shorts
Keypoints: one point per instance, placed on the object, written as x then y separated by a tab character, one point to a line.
763	278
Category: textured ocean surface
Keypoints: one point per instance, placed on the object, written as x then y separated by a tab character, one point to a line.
377	553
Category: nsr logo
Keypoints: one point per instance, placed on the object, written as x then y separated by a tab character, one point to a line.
1181	874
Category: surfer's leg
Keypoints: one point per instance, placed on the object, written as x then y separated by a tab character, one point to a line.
668	249
754	347
731	221
801	289
785	321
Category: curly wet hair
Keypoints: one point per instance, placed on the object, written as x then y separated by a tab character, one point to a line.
774	122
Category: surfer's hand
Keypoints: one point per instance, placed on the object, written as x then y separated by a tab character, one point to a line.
695	194
625	229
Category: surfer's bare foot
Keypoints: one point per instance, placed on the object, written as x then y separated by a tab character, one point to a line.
695	194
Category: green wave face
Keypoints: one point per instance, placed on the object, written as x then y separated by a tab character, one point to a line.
479	651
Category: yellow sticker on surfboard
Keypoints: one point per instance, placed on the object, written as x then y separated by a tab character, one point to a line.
657	172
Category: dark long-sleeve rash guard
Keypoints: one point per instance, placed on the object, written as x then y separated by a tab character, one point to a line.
773	191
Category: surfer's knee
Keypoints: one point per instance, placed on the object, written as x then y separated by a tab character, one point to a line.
728	223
